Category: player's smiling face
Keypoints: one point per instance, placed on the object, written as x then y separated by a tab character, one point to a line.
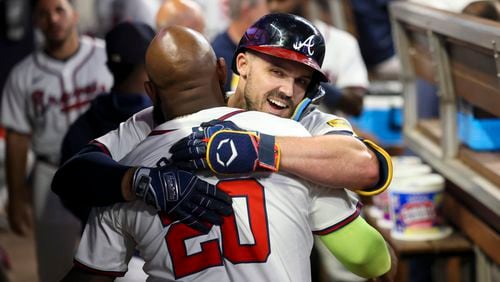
56	19
273	85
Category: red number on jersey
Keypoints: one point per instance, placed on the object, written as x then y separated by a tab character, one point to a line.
233	249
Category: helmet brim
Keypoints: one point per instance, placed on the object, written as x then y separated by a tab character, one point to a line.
286	54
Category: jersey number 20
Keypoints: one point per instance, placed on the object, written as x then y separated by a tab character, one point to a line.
232	249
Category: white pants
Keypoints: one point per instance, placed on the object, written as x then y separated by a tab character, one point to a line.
57	231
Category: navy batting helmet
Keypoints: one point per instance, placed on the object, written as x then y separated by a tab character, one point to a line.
285	36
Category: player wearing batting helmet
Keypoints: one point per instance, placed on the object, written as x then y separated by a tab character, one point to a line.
275	83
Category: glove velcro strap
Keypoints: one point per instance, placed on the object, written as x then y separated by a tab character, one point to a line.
269	153
230	151
141	181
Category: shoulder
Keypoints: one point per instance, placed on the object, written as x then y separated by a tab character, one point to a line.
25	64
94	46
92	41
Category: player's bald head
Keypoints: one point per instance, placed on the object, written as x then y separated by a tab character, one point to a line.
184	71
178	54
180	12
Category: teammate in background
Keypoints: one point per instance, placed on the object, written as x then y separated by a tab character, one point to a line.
43	95
242	14
268	238
108	110
180	12
343	63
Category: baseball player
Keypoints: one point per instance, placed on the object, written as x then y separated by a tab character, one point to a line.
43	95
269	236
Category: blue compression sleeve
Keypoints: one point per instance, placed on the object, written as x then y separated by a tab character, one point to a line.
360	248
91	178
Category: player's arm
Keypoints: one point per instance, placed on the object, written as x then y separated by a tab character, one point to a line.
361	249
16	151
331	160
78	275
93	178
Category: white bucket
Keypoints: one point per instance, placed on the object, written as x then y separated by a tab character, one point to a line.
402	172
414	208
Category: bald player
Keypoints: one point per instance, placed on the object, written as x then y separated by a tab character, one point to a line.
180	12
268	238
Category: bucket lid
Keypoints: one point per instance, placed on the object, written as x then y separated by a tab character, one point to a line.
411	170
427	183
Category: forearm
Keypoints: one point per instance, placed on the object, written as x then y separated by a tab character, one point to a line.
92	179
16	152
360	248
331	160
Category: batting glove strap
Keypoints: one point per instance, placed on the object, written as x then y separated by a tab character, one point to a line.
232	152
269	153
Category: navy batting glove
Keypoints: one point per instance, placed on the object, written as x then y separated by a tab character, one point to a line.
225	148
182	195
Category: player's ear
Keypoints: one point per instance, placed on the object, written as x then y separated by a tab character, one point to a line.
151	91
221	71
242	64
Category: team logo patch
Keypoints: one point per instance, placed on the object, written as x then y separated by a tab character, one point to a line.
309	43
339	124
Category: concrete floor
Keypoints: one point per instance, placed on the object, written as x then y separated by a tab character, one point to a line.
21	252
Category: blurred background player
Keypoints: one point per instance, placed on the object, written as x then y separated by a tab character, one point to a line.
43	95
242	14
180	12
127	96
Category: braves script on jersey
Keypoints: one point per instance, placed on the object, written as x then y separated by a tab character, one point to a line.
43	96
269	237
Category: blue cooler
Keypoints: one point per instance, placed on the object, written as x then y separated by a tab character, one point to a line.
480	134
382	117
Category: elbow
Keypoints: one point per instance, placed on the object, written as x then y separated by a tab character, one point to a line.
370	172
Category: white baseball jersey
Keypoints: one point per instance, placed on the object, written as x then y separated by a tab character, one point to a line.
43	96
121	141
343	62
269	237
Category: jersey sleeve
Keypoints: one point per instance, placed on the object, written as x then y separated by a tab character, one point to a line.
319	123
131	132
105	247
14	104
332	209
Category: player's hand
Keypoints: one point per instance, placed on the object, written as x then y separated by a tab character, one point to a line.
224	148
182	195
19	213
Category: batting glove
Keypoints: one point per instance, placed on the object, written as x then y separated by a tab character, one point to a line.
182	195
224	148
